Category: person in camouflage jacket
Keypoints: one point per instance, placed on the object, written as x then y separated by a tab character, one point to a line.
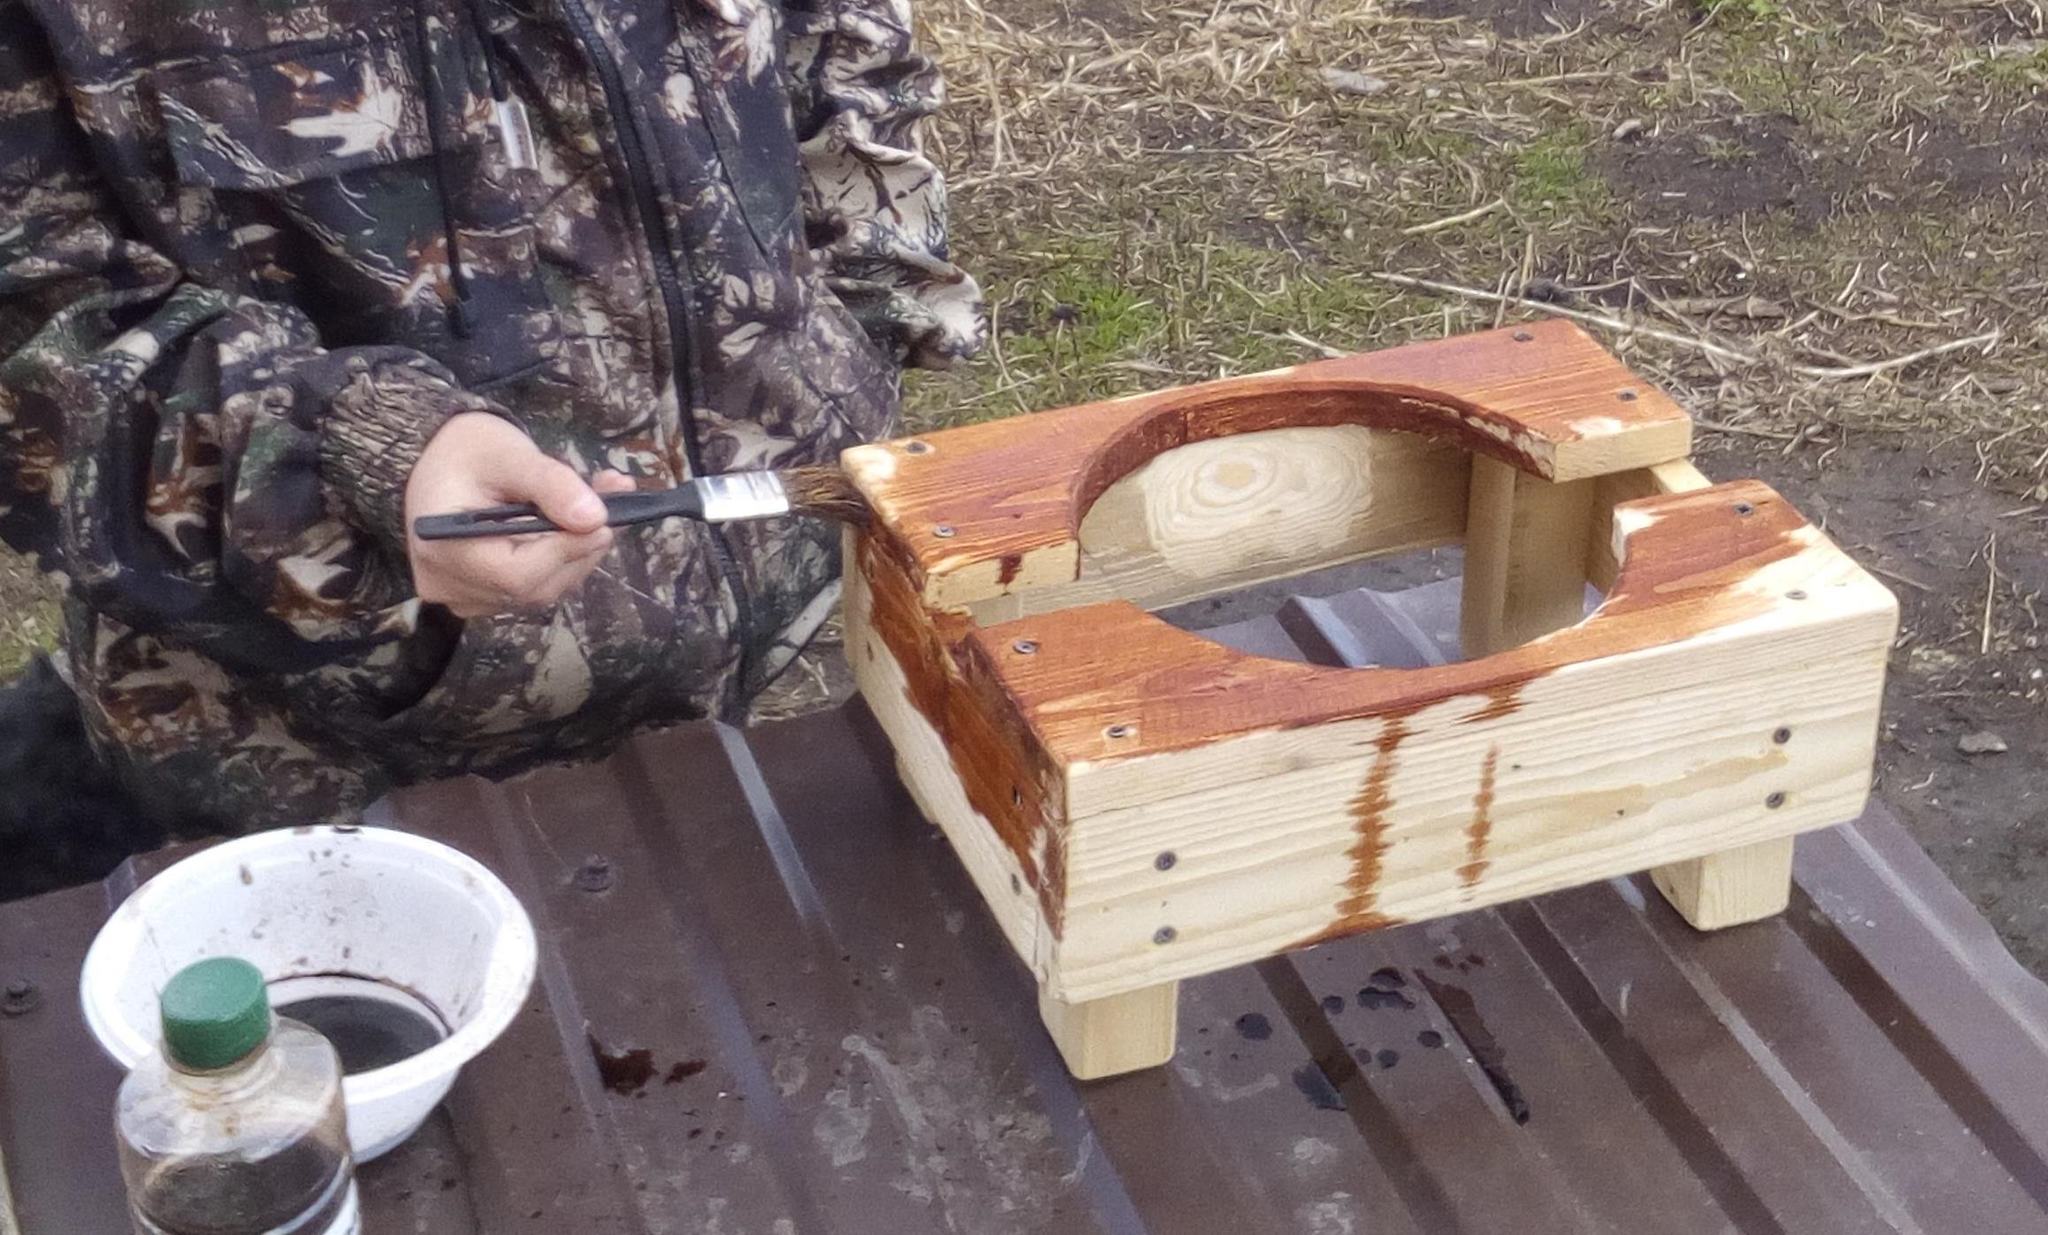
259	258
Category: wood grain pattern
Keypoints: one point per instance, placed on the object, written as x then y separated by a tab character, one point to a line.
1678	476
1227	513
1525	557
1616	761
1115	1034
980	786
1695	563
1744	884
1141	805
981	510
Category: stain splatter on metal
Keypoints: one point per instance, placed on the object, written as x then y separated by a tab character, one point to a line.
1463	1013
623	1072
1314	1084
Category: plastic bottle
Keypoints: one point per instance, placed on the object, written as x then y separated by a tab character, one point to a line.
238	1126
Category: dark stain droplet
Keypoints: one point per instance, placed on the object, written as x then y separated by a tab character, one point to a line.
1254	1027
1388	1057
623	1072
1463	1013
1429	1038
1333	1004
683	1071
1315	1085
1375	997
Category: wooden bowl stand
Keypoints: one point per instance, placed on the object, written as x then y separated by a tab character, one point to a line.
1139	805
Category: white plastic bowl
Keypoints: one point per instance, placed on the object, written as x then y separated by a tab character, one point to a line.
323	911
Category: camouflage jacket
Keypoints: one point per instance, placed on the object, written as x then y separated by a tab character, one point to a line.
253	253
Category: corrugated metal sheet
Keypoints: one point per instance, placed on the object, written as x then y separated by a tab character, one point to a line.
770	1002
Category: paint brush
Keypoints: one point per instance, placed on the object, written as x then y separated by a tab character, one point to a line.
816	492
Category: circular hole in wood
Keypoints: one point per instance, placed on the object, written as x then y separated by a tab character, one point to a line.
1024	647
1119	732
1222	535
1523	336
1626	396
1775	800
1796	594
1164	935
1781	736
1744	509
1166	861
917	448
943	531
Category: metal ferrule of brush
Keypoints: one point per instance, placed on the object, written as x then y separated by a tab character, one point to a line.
742	495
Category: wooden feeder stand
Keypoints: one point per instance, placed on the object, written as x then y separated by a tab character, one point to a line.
1138	804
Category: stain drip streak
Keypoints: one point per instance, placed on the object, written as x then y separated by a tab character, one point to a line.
1481	827
1358	910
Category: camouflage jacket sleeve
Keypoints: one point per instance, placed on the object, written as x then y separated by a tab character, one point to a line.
178	448
874	204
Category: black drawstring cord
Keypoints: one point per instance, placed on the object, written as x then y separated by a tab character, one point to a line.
463	314
499	91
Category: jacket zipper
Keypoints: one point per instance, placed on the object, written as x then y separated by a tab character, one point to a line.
675	301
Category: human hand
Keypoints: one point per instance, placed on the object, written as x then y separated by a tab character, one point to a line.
479	460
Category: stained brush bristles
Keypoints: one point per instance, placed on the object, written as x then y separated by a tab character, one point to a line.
825	492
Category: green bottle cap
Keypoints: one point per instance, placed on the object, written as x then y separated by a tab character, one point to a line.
214	1013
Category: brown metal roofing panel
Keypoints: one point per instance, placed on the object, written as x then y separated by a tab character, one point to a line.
770	1002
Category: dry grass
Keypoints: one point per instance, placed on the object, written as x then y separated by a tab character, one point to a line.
1794	214
1766	198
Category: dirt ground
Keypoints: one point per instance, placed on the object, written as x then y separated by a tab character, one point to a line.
1819	223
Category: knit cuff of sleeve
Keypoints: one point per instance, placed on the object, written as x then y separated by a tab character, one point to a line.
376	428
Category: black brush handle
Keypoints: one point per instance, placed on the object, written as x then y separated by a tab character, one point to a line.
525	519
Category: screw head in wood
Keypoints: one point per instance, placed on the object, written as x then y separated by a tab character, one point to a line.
1119	731
943	531
1626	396
917	448
1024	647
1744	509
1164	935
1781	735
1776	800
1795	594
1166	861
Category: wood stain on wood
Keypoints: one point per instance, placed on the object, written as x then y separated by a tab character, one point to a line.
1688	570
1368	852
1002	773
1021	486
1481	827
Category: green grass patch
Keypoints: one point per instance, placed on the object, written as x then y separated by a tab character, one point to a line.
1549	175
2019	74
1740	10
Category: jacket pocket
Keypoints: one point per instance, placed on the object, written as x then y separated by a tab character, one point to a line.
323	164
284	116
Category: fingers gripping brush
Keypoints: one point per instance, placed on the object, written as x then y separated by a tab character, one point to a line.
818	492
